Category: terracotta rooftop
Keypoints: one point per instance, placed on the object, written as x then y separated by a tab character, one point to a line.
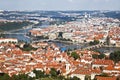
105	78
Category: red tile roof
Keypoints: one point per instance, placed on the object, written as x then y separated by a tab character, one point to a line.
105	78
103	62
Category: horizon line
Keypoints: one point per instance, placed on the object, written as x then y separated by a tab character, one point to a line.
59	10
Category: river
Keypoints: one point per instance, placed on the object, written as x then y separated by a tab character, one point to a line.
107	49
22	37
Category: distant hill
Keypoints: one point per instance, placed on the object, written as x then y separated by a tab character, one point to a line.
7	26
113	14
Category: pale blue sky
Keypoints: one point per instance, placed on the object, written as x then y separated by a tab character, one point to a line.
60	4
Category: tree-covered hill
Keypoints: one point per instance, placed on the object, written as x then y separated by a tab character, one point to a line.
7	26
113	14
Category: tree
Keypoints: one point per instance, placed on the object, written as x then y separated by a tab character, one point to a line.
6	26
39	74
15	77
87	77
53	72
5	77
75	55
95	42
23	77
95	56
20	77
75	78
68	53
61	77
30	78
115	56
28	47
101	56
104	75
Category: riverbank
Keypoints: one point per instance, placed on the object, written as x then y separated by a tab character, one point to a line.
107	49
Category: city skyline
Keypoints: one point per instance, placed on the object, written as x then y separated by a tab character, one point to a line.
60	5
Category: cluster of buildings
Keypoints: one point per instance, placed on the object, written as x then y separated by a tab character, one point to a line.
15	61
85	30
114	34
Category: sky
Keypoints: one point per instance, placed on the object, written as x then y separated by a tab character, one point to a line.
59	4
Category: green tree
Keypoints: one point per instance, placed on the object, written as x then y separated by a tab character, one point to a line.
75	55
15	77
53	72
101	56
6	26
39	74
87	77
75	78
61	77
115	56
95	42
20	77
104	75
23	77
30	78
68	53
28	47
95	56
5	77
